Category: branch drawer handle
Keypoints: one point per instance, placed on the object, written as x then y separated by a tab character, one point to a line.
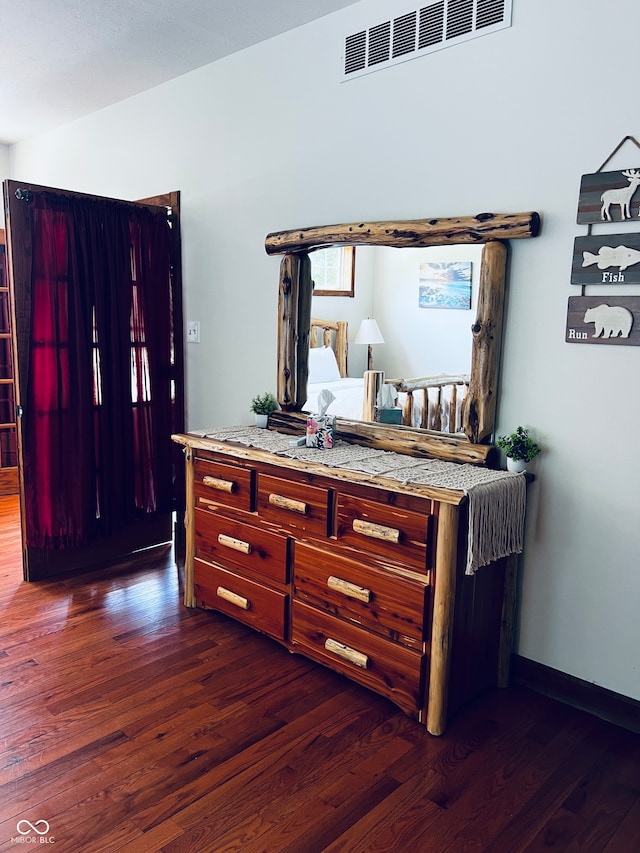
350	589
234	544
233	598
376	531
217	483
346	653
288	503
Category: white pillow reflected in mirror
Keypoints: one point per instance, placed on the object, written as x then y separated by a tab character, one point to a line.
323	366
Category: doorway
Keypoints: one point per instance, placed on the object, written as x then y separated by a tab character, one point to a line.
62	249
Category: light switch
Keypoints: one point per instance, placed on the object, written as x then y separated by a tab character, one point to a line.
193	331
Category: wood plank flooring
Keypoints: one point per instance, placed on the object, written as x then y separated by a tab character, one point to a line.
131	723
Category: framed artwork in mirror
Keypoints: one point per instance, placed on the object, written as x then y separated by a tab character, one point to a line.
445	285
333	271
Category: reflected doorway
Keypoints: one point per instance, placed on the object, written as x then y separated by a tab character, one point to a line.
10	534
8	448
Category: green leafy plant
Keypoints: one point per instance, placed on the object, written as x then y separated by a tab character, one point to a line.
264	404
519	445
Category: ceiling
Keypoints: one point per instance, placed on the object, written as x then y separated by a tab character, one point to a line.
63	59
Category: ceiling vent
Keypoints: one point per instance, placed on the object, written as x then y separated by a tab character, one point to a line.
434	26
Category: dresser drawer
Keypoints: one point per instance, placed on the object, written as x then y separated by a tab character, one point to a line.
247	601
392	670
293	504
216	484
388	603
223	540
390	532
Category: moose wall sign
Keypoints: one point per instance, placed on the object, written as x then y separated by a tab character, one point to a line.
609	197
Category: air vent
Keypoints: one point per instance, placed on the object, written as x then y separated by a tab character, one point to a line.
356	52
431	25
490	12
404	34
459	18
434	26
379	43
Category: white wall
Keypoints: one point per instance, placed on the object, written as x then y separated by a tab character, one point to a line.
421	341
508	122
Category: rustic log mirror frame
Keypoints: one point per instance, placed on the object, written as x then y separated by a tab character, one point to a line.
493	230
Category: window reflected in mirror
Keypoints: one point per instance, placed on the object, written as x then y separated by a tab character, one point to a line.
333	271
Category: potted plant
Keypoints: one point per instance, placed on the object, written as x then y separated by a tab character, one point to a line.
262	405
520	449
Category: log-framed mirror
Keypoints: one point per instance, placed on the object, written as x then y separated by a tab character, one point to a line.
491	230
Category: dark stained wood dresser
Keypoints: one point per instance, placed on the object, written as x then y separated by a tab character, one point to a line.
365	577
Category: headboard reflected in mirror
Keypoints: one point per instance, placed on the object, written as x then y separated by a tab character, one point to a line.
294	323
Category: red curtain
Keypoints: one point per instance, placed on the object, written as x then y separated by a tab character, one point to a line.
104	363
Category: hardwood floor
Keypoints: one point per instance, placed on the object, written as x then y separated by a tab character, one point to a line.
131	723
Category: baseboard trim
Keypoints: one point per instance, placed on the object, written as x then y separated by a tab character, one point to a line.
613	707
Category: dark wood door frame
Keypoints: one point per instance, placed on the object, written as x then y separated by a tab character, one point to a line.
39	563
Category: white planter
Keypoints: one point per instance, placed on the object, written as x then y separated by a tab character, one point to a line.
262	420
516	466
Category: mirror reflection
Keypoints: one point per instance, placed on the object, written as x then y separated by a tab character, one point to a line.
421	302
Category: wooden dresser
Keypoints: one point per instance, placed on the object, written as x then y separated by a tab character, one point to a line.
367	578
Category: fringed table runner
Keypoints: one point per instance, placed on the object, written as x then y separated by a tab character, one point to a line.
496	498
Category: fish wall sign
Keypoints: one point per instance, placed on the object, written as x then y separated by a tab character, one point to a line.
608	259
604	320
609	197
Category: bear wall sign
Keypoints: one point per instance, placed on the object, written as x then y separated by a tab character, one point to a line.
604	320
